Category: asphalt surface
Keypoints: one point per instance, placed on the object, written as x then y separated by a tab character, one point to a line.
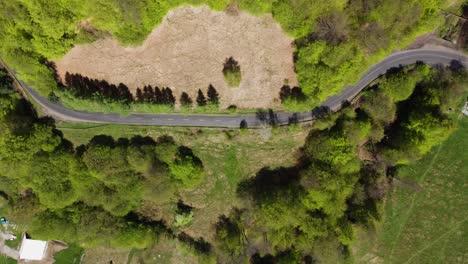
334	103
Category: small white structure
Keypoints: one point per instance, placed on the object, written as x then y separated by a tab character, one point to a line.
465	109
32	249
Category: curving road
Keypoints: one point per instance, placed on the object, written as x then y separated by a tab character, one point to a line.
334	103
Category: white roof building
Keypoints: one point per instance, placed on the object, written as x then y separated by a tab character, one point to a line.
465	109
32	249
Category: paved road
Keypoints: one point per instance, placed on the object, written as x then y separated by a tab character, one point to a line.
430	56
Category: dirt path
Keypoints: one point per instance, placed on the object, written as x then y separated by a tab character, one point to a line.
187	51
5	250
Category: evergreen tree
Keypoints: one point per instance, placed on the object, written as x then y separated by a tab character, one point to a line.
201	99
148	93
158	96
213	96
185	100
169	98
139	95
124	93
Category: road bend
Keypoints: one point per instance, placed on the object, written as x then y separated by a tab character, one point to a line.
257	120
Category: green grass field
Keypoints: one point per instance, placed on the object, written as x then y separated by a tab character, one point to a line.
71	255
426	218
108	106
5	260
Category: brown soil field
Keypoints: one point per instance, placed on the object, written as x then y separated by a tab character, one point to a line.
187	52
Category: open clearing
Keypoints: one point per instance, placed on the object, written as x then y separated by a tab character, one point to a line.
425	217
187	52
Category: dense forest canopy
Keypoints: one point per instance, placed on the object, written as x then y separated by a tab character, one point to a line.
77	191
336	40
92	194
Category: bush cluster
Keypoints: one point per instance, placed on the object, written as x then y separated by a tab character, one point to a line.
87	194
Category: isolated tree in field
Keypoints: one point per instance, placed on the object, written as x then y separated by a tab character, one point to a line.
201	99
185	100
232	73
213	96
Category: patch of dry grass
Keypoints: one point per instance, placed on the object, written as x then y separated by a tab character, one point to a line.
105	256
186	52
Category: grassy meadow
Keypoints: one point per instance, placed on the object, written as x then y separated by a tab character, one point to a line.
425	216
229	156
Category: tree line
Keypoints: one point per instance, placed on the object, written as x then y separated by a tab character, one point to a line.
84	87
164	96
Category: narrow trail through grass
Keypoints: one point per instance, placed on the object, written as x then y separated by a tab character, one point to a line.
415	195
451	230
427	225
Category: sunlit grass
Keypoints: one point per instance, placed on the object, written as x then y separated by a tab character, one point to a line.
425	217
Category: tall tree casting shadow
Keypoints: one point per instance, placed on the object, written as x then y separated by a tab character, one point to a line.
85	87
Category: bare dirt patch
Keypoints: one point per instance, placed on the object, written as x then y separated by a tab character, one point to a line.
187	51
